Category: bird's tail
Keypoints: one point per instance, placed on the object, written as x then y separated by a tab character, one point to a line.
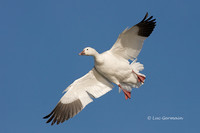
137	67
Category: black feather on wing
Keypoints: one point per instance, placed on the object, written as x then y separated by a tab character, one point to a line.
146	26
63	112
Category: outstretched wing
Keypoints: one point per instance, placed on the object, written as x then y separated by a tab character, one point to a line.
130	41
78	95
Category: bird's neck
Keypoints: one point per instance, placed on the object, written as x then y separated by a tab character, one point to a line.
98	58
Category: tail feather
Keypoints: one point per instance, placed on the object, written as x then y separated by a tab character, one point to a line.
137	67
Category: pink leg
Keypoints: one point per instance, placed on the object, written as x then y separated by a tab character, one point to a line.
126	93
140	77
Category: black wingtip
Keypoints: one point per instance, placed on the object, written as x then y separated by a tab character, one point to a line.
145	16
146	26
47	116
63	112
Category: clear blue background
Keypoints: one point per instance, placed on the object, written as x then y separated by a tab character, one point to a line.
39	45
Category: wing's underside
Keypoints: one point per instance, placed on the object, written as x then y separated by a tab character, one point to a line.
130	41
78	95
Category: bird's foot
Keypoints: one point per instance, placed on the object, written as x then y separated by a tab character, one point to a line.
140	77
126	93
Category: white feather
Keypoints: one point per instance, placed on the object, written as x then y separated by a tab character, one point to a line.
91	84
128	44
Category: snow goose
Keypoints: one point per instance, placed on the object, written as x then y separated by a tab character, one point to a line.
110	67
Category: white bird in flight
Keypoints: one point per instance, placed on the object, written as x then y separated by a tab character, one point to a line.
112	66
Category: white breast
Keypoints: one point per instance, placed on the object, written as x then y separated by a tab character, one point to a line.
114	68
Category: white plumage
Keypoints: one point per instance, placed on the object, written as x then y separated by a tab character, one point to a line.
86	87
110	67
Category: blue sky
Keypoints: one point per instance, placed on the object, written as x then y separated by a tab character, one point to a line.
39	45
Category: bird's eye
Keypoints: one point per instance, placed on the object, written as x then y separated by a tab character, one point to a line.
87	49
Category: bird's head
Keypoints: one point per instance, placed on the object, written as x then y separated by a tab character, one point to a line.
88	51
